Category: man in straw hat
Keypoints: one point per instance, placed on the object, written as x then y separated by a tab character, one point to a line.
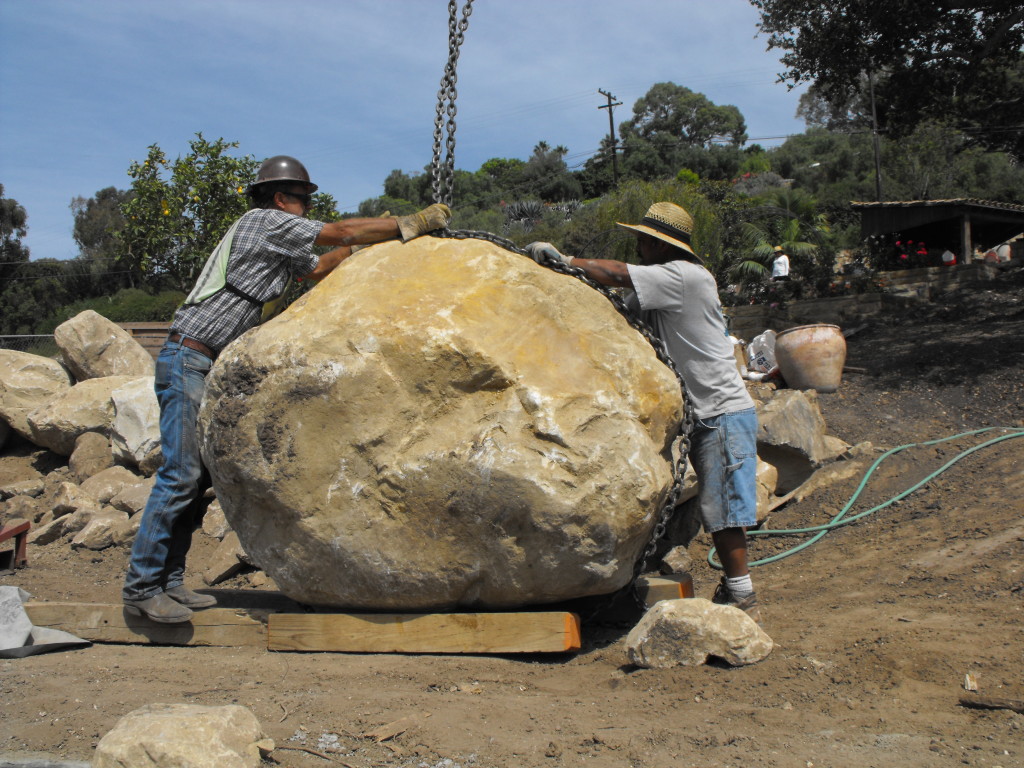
673	293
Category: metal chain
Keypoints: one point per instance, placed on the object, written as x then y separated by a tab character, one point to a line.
444	173
685	427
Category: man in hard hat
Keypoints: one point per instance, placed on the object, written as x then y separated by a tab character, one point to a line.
673	293
253	265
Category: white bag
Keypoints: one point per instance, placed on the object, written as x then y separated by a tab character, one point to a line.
761	353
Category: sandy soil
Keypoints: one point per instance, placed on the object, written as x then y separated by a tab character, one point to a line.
876	625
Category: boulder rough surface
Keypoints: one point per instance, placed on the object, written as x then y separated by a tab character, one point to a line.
26	382
441	424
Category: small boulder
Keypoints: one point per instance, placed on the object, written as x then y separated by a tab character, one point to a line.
132	497
91	455
85	407
105	485
176	735
105	529
27	382
93	347
135	430
215	524
691	631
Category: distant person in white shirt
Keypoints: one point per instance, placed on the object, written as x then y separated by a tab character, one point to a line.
780	266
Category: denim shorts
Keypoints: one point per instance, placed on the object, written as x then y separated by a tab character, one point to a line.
723	452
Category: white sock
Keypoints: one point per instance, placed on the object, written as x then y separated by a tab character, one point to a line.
740	586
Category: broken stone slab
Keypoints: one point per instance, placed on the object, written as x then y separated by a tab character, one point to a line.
32	487
91	455
792	437
132	497
135	429
227	560
105	485
85	407
215	524
692	631
94	347
175	735
105	529
26	382
676	560
480	432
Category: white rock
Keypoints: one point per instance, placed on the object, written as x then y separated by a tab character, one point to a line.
689	632
184	736
135	430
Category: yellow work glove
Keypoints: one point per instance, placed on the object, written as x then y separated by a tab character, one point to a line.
433	217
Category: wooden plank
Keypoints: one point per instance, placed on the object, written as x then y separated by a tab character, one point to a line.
674	586
226	627
525	632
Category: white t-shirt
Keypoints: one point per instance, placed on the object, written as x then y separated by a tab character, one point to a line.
780	267
679	300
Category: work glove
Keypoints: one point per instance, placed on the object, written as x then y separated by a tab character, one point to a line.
430	218
543	252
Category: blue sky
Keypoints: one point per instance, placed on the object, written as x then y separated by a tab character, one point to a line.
347	86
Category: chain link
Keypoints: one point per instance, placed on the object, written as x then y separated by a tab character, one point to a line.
444	172
685	426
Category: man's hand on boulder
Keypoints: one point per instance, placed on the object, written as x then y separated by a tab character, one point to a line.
542	252
430	218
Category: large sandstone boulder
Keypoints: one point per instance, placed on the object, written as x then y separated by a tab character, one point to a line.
94	347
27	382
442	424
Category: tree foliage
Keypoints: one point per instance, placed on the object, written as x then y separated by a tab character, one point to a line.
179	211
958	59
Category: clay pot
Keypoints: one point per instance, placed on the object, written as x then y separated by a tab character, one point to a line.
811	357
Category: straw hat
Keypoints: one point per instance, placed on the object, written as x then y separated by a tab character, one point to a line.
668	222
778	249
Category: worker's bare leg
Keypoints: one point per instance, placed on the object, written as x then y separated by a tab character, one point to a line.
731	546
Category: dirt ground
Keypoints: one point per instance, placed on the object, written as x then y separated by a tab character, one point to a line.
876	625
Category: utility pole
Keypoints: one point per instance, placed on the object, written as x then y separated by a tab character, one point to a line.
874	137
610	106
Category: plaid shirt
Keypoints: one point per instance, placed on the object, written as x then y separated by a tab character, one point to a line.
269	247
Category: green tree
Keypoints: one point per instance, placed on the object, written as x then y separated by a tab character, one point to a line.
674	127
952	59
178	211
97	227
13	227
546	176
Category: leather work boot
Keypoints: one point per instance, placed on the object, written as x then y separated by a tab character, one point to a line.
185	596
723	596
159	608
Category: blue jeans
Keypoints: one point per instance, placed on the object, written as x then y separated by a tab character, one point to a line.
723	452
158	555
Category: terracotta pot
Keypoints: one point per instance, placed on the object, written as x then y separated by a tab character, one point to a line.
811	357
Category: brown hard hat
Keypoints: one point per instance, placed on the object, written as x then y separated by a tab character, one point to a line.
283	168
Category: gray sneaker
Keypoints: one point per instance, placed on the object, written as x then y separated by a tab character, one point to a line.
723	596
185	596
159	608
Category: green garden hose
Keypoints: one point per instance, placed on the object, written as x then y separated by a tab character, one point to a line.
840	519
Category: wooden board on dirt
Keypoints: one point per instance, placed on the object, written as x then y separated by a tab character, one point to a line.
521	632
226	627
